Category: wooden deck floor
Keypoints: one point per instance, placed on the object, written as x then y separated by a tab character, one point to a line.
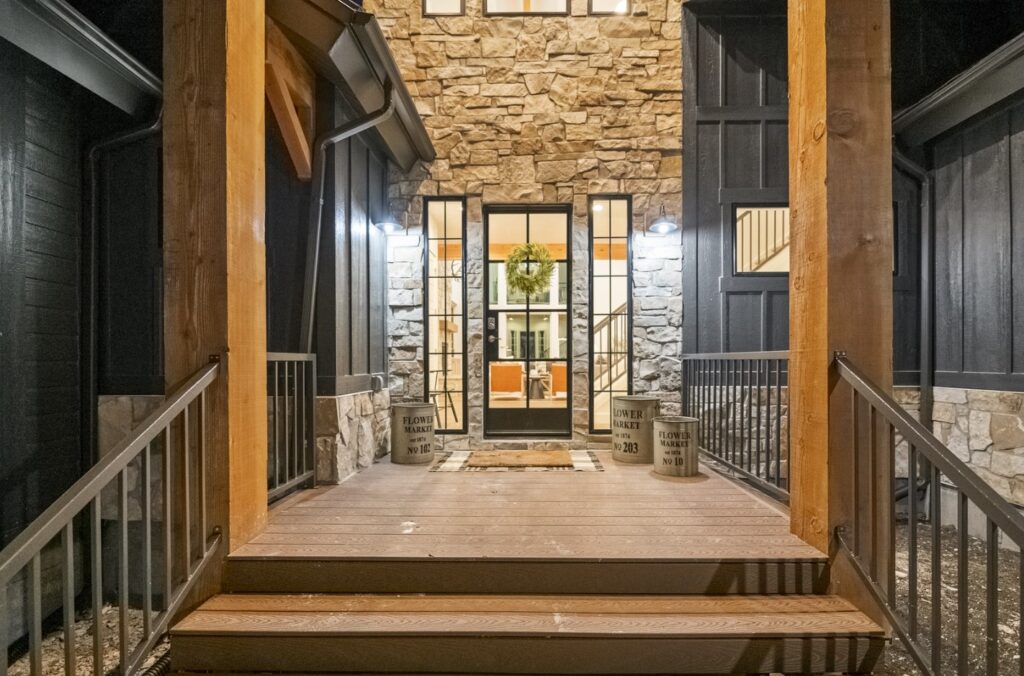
623	513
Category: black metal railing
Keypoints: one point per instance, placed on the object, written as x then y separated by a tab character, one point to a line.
291	433
741	401
104	545
971	624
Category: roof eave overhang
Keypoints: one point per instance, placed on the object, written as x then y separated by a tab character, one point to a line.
346	46
59	36
991	80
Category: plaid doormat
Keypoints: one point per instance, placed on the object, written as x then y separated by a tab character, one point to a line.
458	461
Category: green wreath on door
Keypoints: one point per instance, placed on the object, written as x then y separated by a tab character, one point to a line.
528	269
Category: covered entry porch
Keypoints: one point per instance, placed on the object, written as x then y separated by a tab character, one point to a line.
528	572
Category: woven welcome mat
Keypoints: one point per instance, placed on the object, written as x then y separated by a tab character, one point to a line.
518	461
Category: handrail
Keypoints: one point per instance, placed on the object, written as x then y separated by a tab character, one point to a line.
1005	515
183	453
776	354
871	543
49	524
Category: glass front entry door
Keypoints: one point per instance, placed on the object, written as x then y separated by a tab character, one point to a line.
528	341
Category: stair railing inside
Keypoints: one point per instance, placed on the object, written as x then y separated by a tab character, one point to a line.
130	538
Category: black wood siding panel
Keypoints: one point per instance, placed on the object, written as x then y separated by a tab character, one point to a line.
359	225
741	158
351	300
287	228
1017	217
40	318
129	270
979	237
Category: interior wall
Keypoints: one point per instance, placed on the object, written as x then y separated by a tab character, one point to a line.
41	394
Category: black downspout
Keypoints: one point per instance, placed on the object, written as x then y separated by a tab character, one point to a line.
927	359
89	277
316	204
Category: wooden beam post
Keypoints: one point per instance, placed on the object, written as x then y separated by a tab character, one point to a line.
840	168
214	255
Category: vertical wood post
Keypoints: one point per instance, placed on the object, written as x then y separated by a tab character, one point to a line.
840	140
214	255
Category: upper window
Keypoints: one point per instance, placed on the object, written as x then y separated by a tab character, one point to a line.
610	6
762	239
526	6
444	7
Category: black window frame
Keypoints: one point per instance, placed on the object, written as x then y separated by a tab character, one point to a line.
590	298
427	201
734	241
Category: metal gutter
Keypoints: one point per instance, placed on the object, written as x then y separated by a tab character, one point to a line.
316	203
997	76
346	46
59	36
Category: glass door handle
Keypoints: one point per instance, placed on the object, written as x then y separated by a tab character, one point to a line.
492	339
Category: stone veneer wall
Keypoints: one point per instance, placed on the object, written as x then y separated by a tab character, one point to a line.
543	110
984	428
352	431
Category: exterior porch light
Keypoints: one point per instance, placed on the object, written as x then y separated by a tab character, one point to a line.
663	225
389	225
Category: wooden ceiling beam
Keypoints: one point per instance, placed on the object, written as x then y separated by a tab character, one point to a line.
291	91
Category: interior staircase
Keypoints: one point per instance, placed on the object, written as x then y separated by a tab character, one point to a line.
712	585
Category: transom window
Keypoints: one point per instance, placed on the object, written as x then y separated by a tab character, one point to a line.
526	6
762	239
444	7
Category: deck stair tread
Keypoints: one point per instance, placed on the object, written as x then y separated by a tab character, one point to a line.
611	616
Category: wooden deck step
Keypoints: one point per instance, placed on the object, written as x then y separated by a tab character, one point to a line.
492	634
707	571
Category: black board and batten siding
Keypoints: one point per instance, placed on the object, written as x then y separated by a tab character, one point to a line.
351	306
737	127
978	174
735	124
41	395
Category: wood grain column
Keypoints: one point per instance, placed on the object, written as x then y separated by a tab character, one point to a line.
840	131
214	254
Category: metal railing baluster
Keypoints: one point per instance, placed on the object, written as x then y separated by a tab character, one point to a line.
35	616
67	541
186	491
962	607
991	597
96	572
147	542
936	592
122	569
912	608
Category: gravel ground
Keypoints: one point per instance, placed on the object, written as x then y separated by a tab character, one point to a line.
53	645
897	661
